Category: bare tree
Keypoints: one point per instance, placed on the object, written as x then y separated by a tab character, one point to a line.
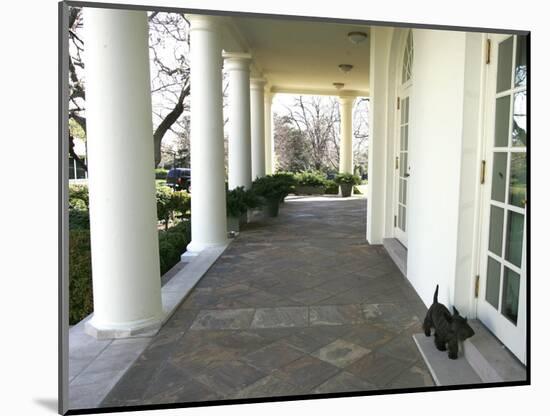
317	118
307	136
170	87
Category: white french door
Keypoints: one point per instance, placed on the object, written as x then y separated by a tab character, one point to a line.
501	305
402	168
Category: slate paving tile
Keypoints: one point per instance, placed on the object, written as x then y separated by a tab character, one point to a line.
391	316
377	369
402	347
230	377
282	317
306	372
286	289
189	391
335	314
309	296
223	319
262	298
273	356
344	382
369	336
416	376
269	386
341	353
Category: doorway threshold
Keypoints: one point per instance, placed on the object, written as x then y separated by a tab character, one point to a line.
397	252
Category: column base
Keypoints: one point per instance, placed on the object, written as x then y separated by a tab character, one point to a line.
194	249
145	327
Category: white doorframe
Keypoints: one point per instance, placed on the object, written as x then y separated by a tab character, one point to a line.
496	262
403	81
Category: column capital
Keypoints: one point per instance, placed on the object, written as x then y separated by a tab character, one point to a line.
346	99
236	61
257	83
205	22
268	95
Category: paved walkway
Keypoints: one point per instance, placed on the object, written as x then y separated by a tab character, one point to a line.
298	304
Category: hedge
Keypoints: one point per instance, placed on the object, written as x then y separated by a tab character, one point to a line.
172	244
81	302
160	173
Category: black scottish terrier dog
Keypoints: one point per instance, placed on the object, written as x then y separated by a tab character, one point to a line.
449	329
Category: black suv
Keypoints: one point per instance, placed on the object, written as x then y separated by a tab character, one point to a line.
179	178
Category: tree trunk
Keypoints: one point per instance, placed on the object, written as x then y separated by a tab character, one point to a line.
168	121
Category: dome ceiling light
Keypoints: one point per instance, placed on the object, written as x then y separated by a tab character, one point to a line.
338	85
345	68
357	37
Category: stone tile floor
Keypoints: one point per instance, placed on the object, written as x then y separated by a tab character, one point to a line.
297	304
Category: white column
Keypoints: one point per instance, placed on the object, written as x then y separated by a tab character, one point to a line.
257	127
378	135
123	221
238	158
269	145
208	218
346	135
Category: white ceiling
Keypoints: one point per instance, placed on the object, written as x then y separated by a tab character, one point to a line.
303	56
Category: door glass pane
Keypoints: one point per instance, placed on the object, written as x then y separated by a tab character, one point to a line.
510	295
514	238
502	121
495	230
521	61
493	282
404	220
498	187
504	71
401	190
407	110
518	173
404	135
403	166
404	191
519	120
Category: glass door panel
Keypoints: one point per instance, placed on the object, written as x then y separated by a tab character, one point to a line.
502	265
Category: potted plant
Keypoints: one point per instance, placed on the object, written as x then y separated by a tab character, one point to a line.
310	183
287	179
271	188
235	208
346	181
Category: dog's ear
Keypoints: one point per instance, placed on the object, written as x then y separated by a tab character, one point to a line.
455	312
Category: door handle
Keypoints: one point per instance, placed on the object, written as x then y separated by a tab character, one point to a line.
406	175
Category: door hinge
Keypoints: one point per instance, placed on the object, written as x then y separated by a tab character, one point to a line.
482	172
477	286
395	220
398	103
396	162
488	52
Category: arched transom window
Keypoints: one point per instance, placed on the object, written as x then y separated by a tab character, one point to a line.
407	59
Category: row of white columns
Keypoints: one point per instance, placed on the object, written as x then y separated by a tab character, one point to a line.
125	255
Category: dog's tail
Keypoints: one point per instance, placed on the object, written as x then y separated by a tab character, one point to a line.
435	294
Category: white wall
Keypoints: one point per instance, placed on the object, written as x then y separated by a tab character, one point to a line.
435	147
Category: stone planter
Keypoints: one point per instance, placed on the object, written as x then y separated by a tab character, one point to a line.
309	190
243	219
272	207
233	224
345	189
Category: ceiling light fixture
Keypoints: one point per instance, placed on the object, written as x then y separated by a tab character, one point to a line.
345	67
338	85
357	37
